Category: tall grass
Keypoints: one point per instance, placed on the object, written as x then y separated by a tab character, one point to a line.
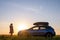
7	37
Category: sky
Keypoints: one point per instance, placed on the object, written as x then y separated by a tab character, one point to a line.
28	12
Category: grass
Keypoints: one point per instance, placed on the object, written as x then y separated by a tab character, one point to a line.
7	37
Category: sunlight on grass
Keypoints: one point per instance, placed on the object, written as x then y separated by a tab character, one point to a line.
7	37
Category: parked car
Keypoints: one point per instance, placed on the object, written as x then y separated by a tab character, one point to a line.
46	31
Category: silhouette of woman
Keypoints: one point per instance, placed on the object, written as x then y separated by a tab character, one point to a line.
11	29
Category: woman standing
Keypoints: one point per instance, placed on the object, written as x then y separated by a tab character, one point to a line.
11	29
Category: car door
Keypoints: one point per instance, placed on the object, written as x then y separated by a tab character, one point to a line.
34	31
42	30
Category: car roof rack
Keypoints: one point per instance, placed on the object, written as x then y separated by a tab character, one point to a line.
41	23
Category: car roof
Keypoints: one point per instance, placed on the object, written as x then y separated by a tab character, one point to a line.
42	26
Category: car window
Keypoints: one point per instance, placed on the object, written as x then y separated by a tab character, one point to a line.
36	28
42	28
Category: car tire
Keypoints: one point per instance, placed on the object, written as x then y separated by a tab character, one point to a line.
49	35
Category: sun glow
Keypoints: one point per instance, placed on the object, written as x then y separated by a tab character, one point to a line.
22	27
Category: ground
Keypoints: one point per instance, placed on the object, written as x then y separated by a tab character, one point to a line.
7	37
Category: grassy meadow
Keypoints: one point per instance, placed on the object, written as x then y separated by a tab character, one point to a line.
7	37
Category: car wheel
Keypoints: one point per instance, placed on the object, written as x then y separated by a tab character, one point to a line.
49	35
